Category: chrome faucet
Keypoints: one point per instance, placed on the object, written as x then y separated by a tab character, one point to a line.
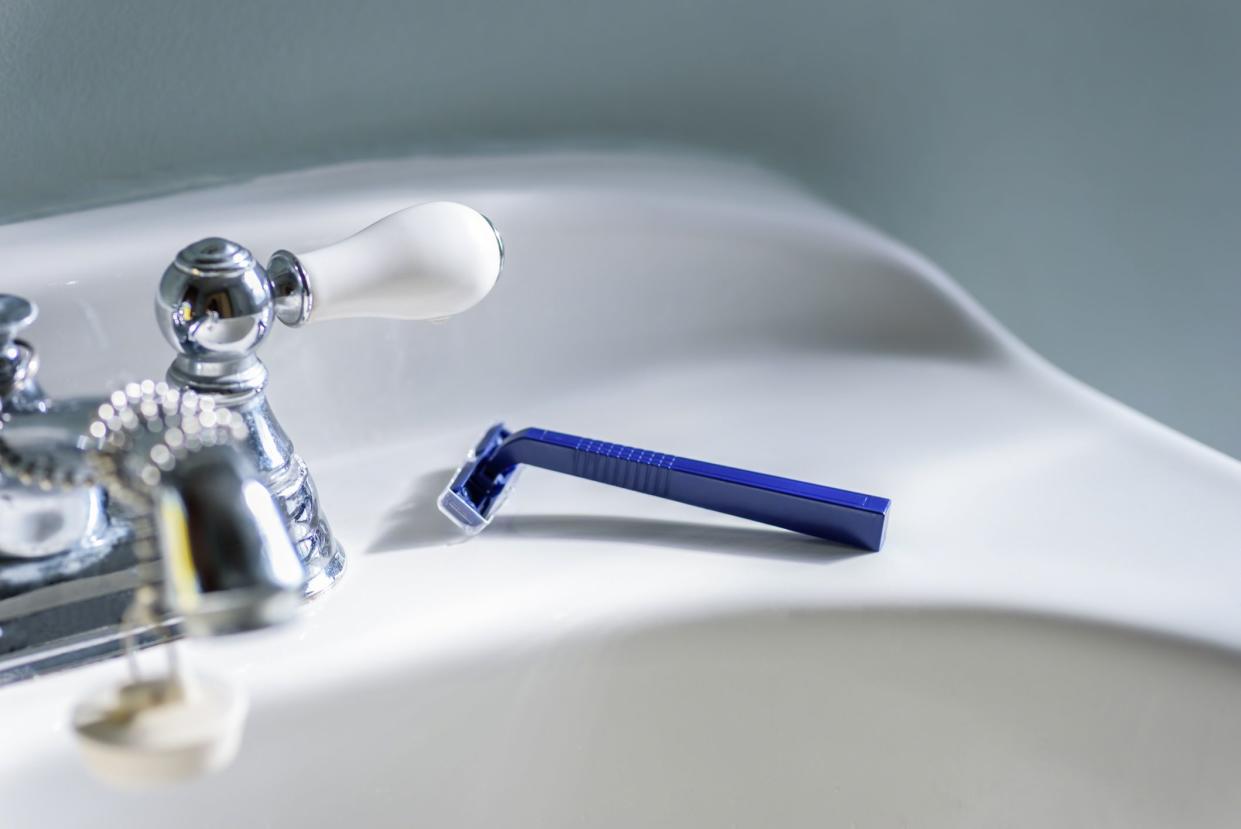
185	498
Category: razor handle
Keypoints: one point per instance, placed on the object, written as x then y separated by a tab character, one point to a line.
837	515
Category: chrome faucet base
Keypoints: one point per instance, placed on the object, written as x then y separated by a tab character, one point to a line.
281	469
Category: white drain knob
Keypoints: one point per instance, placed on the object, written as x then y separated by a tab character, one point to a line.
151	732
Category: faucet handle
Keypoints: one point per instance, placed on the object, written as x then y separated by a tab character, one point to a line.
18	362
424	262
16	313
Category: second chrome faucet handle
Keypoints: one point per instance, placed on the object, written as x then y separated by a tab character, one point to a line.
18	362
16	313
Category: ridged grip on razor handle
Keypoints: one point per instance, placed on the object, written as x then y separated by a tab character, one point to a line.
623	466
424	262
838	515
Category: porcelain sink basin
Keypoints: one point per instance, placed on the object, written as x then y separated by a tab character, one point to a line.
1051	635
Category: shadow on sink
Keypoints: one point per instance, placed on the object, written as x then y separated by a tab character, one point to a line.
683	535
418	523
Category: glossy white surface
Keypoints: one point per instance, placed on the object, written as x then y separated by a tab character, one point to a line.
1049	637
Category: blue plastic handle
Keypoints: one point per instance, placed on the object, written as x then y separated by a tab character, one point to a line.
825	512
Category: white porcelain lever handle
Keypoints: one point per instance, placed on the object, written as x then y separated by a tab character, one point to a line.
425	262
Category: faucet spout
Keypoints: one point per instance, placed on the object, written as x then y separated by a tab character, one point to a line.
191	539
230	565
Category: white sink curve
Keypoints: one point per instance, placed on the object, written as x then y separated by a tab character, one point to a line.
1050	636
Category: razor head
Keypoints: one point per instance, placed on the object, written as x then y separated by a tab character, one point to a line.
476	493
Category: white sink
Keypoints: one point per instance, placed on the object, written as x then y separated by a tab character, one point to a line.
1050	636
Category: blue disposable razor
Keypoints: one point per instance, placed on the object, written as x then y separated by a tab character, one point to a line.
482	483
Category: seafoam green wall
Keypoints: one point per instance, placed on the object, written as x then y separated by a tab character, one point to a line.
1077	165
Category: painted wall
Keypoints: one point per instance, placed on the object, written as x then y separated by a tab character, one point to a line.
1076	164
